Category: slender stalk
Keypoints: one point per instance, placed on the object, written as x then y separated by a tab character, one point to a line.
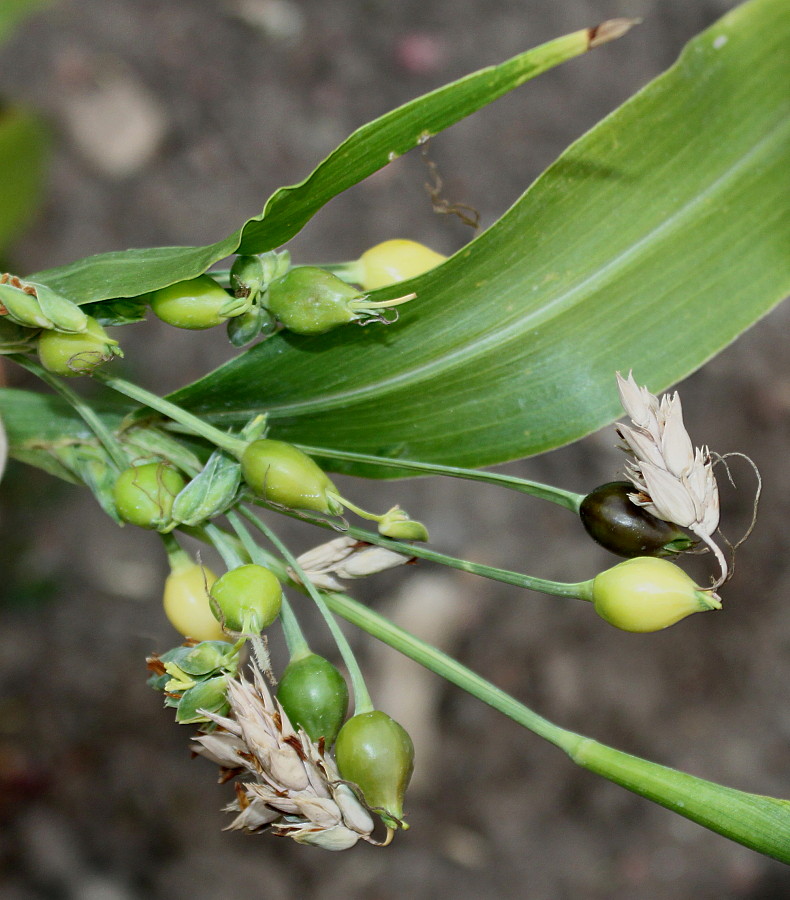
759	822
568	499
362	701
346	271
294	636
229	553
177	557
362	513
298	648
234	446
364	304
581	590
450	669
107	439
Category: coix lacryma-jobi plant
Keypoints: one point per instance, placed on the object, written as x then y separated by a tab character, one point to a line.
476	369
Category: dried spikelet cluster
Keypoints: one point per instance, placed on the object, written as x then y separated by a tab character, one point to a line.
673	480
295	789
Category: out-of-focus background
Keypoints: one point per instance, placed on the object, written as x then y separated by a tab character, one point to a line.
171	123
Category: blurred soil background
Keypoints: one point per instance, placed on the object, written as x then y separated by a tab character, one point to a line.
171	123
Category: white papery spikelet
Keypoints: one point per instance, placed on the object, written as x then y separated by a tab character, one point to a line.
345	558
296	791
673	480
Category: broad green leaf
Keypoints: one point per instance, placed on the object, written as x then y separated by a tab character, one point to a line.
131	272
13	11
652	243
23	146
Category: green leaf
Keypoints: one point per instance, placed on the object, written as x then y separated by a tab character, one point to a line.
119	312
652	243
209	493
33	418
94	468
132	272
40	425
23	148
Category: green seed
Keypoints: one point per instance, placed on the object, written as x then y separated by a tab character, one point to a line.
195	304
314	695
309	300
76	354
144	494
281	474
247	599
376	753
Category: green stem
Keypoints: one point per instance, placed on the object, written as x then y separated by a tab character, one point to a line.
346	271
447	667
234	446
580	590
107	439
568	499
298	648
224	546
363	514
294	636
177	557
363	304
759	822
362	701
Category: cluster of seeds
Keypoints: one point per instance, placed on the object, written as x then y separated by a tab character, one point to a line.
317	773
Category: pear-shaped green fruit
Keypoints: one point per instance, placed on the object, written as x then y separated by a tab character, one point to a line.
376	753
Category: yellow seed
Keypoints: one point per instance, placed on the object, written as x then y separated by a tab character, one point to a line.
648	594
393	261
186	603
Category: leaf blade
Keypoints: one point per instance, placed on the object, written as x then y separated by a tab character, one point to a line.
695	254
129	273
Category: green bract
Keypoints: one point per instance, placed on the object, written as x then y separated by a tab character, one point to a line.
76	354
393	261
209	695
15	338
280	473
314	696
376	753
144	494
648	594
626	529
247	276
397	524
247	599
195	304
256	321
186	602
